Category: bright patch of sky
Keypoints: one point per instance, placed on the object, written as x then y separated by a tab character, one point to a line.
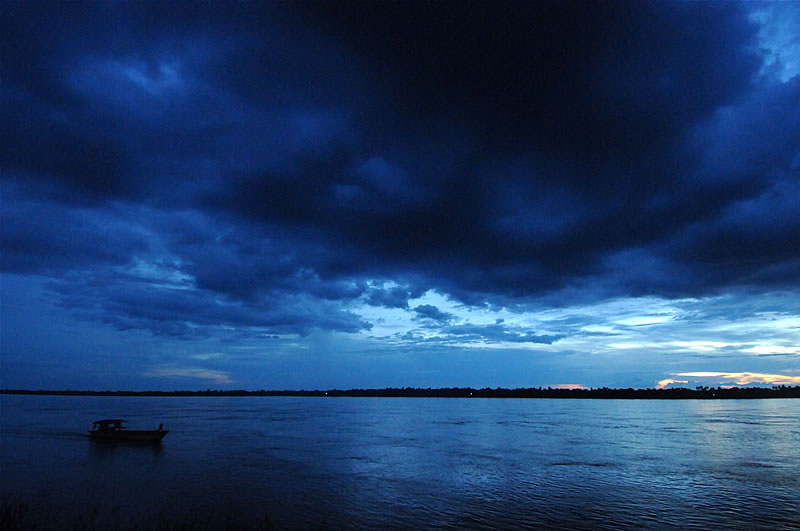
743	378
159	273
587	345
129	85
153	80
217	377
751	325
772	349
779	36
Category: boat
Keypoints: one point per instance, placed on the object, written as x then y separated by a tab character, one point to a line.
117	430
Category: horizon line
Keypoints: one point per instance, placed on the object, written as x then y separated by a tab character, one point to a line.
775	391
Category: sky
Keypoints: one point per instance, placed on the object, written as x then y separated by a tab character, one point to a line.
318	195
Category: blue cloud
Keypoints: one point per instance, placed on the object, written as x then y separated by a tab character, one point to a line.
309	168
428	311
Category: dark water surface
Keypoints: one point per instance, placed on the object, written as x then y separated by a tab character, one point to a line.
292	462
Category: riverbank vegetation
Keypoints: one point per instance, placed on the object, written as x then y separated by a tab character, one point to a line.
702	392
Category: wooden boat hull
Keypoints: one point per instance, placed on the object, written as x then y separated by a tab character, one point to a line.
128	435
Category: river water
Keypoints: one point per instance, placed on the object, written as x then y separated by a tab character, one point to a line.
378	463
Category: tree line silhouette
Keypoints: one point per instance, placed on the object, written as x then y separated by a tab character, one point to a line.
700	392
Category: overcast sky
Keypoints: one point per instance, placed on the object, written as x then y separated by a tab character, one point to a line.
331	194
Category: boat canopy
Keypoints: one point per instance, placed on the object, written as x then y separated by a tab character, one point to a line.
108	422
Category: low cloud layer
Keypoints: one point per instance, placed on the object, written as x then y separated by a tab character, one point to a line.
217	377
744	378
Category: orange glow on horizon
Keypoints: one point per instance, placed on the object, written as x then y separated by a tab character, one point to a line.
663	383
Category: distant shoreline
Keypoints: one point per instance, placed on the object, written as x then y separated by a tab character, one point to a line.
462	392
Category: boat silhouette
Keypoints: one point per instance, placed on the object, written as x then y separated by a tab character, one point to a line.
117	430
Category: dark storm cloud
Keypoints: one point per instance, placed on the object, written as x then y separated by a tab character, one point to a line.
389	298
177	275
241	261
42	238
429	311
136	303
553	72
309	152
586	152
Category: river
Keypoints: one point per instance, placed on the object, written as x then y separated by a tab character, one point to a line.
403	463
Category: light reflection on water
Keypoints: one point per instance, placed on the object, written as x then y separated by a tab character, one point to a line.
412	463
